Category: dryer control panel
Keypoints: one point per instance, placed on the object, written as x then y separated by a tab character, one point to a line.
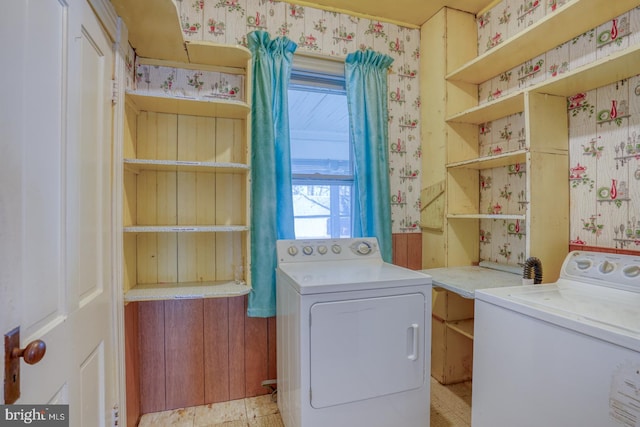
328	249
605	269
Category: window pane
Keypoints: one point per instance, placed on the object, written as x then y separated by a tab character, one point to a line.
321	152
319	126
322	211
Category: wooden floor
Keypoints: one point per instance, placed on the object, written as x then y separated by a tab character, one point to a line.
450	407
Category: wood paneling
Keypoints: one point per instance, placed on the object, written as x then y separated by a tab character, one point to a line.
400	255
256	355
407	250
184	353
272	371
236	348
195	352
151	355
216	350
414	249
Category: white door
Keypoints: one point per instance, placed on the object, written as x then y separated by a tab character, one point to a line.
55	203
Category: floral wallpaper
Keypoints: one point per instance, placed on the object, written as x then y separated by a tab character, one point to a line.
503	191
604	134
325	33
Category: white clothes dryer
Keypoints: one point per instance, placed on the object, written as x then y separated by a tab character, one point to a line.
353	336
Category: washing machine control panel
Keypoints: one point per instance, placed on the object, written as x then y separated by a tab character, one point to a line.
327	249
614	270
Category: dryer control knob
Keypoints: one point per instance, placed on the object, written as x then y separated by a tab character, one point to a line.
293	251
607	267
631	271
336	249
583	264
363	248
322	249
307	250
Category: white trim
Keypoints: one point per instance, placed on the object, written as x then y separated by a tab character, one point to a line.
119	77
106	13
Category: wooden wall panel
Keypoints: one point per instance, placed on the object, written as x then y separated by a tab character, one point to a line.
184	353
132	363
407	250
414	251
256	355
237	318
151	355
400	255
272	367
216	350
203	351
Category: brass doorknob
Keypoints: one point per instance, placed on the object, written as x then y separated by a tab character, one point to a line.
32	353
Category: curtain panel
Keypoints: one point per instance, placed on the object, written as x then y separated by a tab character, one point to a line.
271	199
366	84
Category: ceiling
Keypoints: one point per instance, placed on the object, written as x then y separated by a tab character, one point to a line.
408	12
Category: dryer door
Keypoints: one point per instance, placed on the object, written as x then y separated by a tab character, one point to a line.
365	348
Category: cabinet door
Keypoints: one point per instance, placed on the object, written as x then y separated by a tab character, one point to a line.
366	348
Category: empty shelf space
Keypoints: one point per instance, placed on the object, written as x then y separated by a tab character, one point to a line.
464	327
186	290
137	165
567	22
184	228
486	216
504	159
189	106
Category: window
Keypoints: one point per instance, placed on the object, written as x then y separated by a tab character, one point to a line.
321	152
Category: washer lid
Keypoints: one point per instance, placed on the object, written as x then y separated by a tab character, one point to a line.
341	276
606	313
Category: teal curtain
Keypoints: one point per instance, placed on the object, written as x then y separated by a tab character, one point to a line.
366	83
271	199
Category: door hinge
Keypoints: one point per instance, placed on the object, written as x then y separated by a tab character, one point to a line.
114	92
115	415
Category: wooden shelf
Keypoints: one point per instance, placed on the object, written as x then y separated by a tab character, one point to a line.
189	106
568	21
480	163
463	327
209	53
502	107
185	228
155	32
137	165
486	216
154	28
186	290
615	67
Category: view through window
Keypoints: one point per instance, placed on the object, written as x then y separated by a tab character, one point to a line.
321	155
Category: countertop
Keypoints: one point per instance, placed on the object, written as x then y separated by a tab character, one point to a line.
464	281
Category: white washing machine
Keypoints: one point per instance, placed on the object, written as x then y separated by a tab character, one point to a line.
353	336
561	355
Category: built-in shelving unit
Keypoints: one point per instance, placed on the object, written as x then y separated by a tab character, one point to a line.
187	186
544	106
568	21
618	66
